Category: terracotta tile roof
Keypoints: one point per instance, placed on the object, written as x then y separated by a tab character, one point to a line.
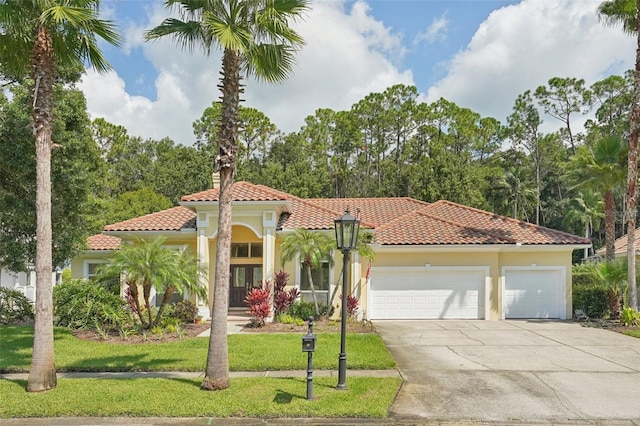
173	219
500	226
620	245
305	214
373	212
421	228
396	221
240	191
103	242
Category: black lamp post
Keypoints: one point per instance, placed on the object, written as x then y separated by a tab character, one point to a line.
347	227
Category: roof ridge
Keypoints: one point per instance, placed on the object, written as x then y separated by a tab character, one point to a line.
415	200
271	190
506	218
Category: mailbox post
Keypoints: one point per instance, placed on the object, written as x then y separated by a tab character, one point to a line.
309	346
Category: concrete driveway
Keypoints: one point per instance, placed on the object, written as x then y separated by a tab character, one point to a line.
513	371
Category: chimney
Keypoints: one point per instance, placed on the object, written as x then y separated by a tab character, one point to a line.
215	180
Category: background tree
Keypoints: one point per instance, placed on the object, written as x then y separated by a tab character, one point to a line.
627	13
255	37
36	35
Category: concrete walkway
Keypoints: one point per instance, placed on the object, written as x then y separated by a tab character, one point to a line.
196	375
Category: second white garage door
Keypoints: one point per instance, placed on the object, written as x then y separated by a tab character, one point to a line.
432	293
534	293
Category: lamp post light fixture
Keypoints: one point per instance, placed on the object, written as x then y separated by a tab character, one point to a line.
347	227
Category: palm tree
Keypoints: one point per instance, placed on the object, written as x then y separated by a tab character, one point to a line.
148	264
313	248
255	38
627	13
37	38
586	209
601	171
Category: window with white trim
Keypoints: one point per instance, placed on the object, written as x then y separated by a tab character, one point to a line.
321	283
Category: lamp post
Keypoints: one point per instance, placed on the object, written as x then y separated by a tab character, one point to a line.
347	227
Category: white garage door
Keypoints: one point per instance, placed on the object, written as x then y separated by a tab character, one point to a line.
534	293
401	293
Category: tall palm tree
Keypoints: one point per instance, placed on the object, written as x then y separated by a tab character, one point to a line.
313	248
255	38
601	171
37	37
627	13
149	264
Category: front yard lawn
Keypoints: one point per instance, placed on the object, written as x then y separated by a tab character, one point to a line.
247	352
632	333
247	397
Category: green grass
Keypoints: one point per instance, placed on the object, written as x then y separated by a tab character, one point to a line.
250	397
632	333
247	352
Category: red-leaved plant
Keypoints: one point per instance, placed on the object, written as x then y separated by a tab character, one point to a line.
283	299
352	306
257	300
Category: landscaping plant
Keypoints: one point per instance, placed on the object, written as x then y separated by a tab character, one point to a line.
85	304
629	317
282	298
185	311
257	300
14	307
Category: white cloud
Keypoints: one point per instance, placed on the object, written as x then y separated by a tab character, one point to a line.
522	46
335	69
436	31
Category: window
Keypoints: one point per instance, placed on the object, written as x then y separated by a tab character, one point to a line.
92	268
320	278
245	250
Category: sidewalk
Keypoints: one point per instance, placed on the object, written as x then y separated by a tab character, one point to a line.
195	375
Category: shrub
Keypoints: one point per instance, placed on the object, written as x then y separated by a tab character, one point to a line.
283	299
14	307
304	310
186	311
257	300
288	319
585	274
352	306
593	300
85	304
629	317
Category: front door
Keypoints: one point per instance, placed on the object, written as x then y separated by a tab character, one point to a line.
243	279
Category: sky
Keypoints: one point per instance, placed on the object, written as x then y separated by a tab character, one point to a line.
480	54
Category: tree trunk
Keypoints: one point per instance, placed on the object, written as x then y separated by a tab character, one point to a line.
217	370
632	174
146	295
609	225
307	267
42	375
165	299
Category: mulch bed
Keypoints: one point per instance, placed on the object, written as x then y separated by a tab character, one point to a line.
192	330
189	330
611	325
319	326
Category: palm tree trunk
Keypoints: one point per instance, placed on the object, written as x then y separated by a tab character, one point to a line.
632	174
609	225
313	288
146	294
42	375
165	299
217	370
133	291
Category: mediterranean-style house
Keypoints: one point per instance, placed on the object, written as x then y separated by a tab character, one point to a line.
432	260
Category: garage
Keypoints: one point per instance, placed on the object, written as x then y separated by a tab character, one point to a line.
428	293
534	293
